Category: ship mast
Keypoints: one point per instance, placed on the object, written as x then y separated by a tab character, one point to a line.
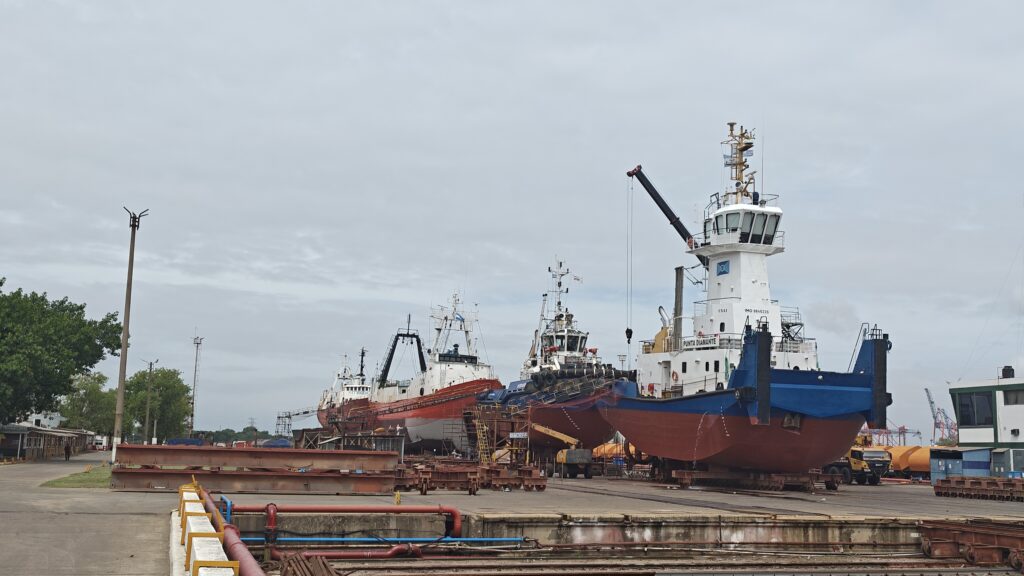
740	144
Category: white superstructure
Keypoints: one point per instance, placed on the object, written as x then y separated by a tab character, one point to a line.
740	231
347	385
991	412
451	358
558	342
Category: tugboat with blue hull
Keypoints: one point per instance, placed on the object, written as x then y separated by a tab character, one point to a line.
561	378
742	391
765	419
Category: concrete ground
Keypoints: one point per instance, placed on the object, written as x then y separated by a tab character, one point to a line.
83	532
79	531
614	496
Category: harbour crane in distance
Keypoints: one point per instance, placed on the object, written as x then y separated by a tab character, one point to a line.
284	420
942	424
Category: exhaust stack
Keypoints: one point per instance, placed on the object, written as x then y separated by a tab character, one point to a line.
677	310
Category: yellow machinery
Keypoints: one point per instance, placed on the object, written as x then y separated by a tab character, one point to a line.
910	461
863	463
572	460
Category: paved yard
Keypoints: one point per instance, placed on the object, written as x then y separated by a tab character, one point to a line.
79	531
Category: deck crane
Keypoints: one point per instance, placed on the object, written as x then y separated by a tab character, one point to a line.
673	220
680	229
284	420
941	422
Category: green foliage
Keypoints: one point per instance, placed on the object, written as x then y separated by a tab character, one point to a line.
169	403
93	477
89	406
43	344
229	435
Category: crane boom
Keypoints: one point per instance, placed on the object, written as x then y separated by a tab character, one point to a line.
673	220
572	442
931	405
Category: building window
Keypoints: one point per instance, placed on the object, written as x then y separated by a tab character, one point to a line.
1013	397
974	409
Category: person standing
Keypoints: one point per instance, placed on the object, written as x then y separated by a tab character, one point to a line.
67	451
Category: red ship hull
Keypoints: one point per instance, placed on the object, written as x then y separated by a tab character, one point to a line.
577	418
351	414
432	421
734	442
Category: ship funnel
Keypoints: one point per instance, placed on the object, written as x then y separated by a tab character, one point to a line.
677	310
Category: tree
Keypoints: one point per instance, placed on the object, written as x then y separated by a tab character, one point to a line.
89	406
44	344
169	405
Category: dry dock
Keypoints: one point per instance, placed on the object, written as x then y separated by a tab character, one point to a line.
602	525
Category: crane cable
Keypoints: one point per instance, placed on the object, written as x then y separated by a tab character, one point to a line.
629	265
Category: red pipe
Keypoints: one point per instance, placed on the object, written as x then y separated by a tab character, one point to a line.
237	550
393	552
453	513
233	545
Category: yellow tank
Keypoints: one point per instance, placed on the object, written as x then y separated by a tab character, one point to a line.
920	460
900	455
910	459
610	450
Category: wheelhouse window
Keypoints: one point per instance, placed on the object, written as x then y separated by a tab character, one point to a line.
732	221
974	409
758	230
748	220
1013	397
719	224
707	230
769	229
574	343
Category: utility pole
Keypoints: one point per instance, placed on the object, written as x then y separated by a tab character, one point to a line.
197	341
133	223
149	394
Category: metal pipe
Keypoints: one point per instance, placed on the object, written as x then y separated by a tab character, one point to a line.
215	516
727	545
456	516
270	528
393	552
233	545
365	540
238	551
227	508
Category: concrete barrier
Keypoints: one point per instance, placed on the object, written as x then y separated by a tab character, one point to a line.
202	543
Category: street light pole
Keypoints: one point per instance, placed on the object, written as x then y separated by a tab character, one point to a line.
149	394
133	223
197	341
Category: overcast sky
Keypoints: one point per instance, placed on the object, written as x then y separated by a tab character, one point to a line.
315	171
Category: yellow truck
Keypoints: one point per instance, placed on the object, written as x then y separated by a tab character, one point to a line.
863	463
